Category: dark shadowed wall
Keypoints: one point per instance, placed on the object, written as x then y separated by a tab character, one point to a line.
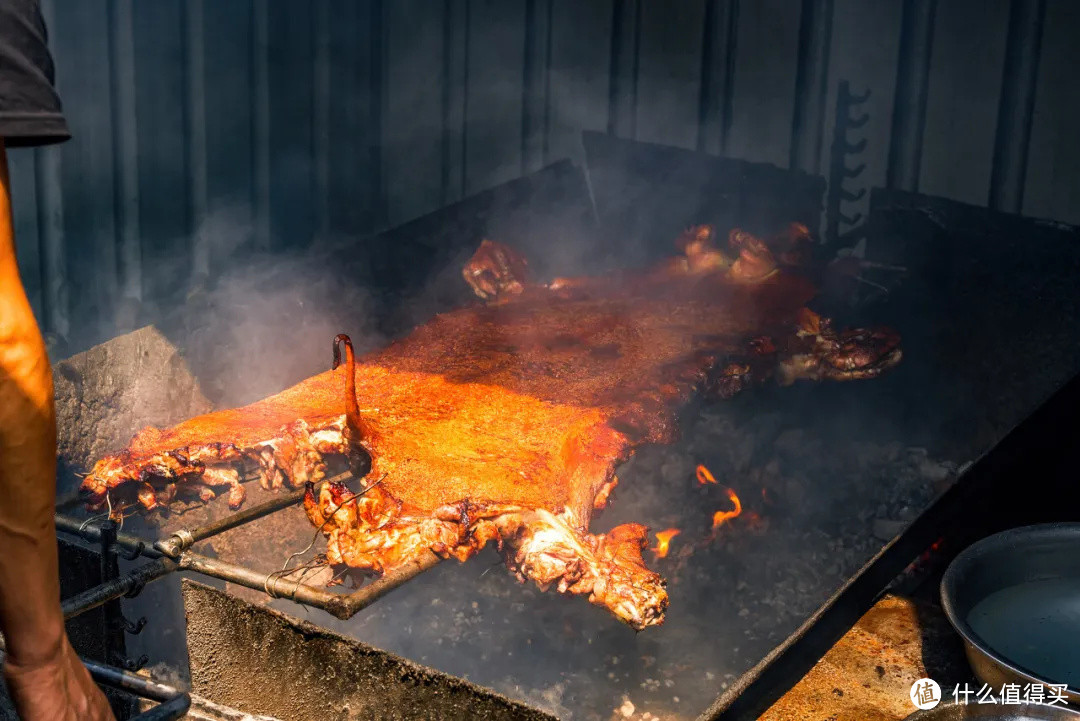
204	128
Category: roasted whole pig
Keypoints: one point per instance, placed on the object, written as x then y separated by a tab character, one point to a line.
505	421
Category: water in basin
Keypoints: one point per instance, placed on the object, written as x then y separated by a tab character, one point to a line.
1036	626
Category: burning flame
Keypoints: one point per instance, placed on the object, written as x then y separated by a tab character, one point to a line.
720	517
704	478
663	541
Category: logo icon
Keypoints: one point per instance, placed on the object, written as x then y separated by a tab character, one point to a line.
925	693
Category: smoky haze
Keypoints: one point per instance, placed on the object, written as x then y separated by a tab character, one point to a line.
266	319
266	322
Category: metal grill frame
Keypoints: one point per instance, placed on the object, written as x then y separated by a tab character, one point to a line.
173	553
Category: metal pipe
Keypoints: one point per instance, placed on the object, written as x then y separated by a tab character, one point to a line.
260	136
369	594
455	86
808	121
171	710
126	681
67	500
377	83
92	533
625	60
50	210
836	165
109	571
173	703
338	604
341	605
719	45
125	149
195	74
185	538
50	202
909	101
273	584
320	122
117	587
1017	104
535	98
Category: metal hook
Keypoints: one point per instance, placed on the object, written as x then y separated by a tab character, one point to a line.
123	624
91	519
858	122
854	99
854	148
136	589
135	628
854	172
134	666
133	553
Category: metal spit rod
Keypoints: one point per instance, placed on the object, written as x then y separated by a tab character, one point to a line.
341	605
173	553
129	583
92	533
184	539
172	702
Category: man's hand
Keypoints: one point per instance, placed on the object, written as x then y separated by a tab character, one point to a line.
56	689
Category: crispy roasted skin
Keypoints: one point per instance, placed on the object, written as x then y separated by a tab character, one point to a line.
505	422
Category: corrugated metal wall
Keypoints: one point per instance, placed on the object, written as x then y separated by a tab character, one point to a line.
206	127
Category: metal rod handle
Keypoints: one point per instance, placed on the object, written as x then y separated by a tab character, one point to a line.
172	702
117	587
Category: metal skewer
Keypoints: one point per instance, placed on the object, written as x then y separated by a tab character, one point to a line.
185	538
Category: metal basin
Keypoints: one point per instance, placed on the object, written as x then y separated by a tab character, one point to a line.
1015	599
988	712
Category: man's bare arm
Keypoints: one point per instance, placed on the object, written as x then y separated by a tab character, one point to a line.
44	676
30	617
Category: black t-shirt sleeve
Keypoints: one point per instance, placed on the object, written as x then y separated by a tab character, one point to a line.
30	110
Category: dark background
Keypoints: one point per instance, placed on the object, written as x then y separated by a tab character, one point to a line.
206	130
